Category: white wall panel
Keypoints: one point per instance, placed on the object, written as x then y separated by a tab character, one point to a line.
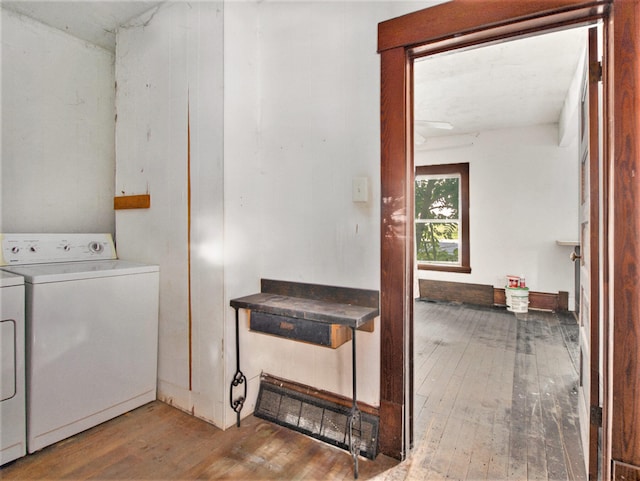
244	188
312	71
169	73
57	171
523	198
301	120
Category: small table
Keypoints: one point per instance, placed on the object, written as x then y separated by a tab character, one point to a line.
326	306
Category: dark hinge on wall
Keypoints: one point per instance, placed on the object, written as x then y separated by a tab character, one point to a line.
595	72
596	416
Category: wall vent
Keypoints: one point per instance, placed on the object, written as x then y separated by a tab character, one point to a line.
319	418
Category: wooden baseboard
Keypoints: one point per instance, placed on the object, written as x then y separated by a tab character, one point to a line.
543	301
390	441
478	294
486	295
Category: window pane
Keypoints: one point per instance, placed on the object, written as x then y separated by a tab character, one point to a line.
437	242
437	197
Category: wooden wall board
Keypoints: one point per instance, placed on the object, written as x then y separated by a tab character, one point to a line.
456	292
142	201
486	295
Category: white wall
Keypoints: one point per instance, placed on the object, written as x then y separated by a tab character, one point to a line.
523	198
169	74
318	129
57	159
297	120
300	122
301	119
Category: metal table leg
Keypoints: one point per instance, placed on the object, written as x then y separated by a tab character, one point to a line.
238	378
355	421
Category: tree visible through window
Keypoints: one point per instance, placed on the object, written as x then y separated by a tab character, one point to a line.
441	217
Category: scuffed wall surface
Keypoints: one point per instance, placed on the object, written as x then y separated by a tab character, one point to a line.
57	99
169	144
302	116
523	197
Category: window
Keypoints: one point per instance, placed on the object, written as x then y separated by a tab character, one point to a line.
442	217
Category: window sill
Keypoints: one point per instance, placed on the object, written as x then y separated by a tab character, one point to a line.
443	268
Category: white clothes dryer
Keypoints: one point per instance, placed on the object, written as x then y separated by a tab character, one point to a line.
91	331
13	441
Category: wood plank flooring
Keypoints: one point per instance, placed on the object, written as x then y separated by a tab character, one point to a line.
495	399
495	395
159	442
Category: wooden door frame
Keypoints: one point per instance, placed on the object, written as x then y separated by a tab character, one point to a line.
463	23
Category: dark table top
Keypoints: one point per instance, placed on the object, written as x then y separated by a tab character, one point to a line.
309	309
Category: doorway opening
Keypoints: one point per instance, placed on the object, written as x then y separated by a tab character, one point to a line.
460	25
512	111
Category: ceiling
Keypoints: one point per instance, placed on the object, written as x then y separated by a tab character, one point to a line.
509	84
515	83
93	21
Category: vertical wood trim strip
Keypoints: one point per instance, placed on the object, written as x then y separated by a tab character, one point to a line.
594	247
626	225
190	319
394	255
410	263
607	267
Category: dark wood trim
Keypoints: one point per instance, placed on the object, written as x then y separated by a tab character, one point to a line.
606	243
486	295
439	169
563	301
625	472
594	246
479	294
444	268
625	295
396	249
544	301
463	170
480	17
391	431
449	26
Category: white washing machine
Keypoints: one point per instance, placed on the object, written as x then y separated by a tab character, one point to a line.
91	331
13	439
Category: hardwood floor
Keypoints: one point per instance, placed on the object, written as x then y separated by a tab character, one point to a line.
495	399
495	394
159	442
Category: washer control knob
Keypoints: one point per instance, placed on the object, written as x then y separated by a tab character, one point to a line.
33	249
67	248
96	247
15	249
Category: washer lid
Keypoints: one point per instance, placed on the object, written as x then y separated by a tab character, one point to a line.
7	279
69	271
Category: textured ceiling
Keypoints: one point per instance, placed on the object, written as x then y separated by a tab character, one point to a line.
509	84
93	21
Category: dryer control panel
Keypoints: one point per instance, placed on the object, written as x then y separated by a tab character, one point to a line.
21	249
